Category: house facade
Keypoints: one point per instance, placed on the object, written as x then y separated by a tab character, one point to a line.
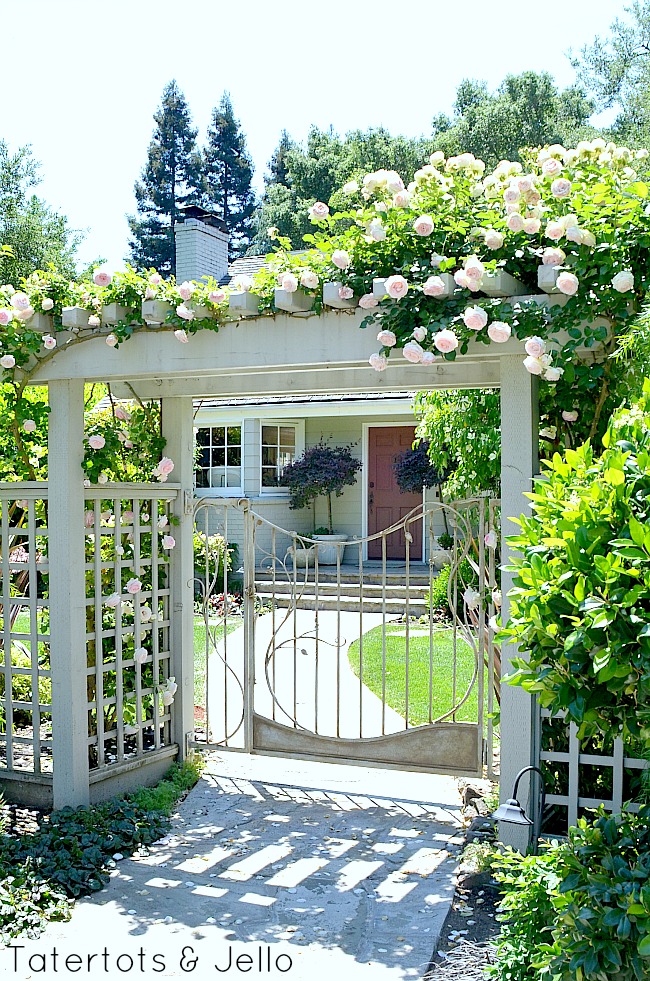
243	445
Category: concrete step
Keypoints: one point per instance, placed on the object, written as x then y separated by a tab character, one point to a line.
348	575
329	589
348	604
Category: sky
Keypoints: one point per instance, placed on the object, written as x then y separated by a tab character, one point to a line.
81	80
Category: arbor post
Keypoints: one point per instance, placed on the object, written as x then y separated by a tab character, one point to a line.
177	429
519	463
67	559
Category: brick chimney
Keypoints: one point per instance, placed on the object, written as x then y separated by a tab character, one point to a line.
201	245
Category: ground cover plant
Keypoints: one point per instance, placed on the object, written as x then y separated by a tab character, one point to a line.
72	852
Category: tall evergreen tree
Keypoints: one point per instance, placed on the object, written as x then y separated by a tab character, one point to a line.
171	178
228	175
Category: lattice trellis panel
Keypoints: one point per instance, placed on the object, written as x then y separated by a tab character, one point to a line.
127	622
25	680
581	776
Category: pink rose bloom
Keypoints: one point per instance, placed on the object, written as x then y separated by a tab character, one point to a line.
140	655
387	338
623	281
101	277
533	365
242	284
181	335
49	342
5	317
569	415
396	287
377	231
511	194
112	340
535	347
574	234
475	318
289	282
308	279
217	296
525	184
493	239
29	425
412	352
146	614
474	269
553	374
163	521
553	257
462	279
128	444
434	286
133	586
184	312
561	188
20	301
423	225
113	601
127	517
341	259
587	238
551	167
378	362
163	470
445	341
47	304
8	361
401	199
24	314
96	442
567	283
319	211
89	519
499	332
419	334
436	260
346	292
155	279
491	539
428	357
185	290
554	230
515	222
532	226
94	321
168	541
368	301
149	293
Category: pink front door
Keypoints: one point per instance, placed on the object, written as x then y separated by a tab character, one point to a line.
386	503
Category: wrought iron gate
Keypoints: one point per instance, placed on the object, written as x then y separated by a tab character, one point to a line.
306	647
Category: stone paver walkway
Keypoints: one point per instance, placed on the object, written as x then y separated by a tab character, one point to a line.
302	870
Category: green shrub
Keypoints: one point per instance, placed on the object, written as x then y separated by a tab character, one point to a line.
21	685
528	915
581	599
438	595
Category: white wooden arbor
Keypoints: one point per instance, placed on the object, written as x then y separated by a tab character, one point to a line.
253	357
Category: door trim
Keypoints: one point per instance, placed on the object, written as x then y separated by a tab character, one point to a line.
365	457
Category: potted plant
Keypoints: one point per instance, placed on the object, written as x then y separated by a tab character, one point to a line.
320	472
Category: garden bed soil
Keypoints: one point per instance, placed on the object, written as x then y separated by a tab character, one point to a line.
465	945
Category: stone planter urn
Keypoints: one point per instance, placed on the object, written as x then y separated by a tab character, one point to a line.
330	547
300	558
440	557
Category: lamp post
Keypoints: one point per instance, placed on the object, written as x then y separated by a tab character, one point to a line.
513	813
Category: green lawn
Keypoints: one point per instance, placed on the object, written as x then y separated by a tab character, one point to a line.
419	673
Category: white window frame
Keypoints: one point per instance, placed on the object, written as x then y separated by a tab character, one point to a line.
299	426
221	491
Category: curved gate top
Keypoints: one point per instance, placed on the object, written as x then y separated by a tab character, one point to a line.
309	649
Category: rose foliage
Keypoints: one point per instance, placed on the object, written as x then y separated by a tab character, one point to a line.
581	596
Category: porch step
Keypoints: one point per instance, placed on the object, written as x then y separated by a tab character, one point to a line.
348	575
349	604
326	590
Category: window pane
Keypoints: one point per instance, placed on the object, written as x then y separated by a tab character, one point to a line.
269	435
269	477
288	435
269	456
202	478
219	458
218	436
234	456
233	477
204	458
234	435
202	437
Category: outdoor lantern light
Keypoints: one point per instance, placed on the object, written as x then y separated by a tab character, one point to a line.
513	813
